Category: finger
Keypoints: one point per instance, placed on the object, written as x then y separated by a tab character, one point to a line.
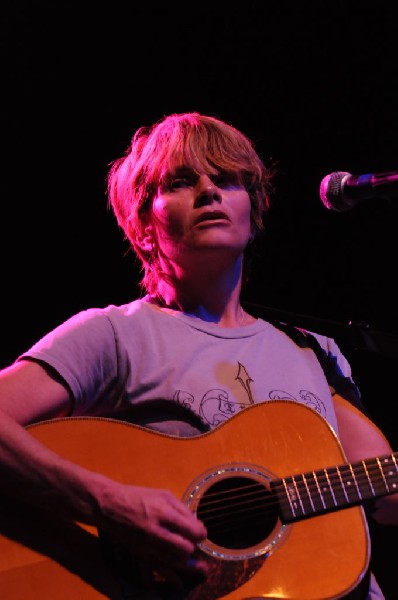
183	521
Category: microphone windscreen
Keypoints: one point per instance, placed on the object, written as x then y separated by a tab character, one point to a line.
331	191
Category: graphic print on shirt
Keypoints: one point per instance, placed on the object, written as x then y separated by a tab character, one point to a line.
307	398
217	405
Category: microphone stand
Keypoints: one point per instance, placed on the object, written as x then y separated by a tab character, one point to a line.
357	335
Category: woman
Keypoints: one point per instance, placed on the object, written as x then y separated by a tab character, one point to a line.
190	195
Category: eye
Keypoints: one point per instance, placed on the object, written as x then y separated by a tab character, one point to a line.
227	180
179	182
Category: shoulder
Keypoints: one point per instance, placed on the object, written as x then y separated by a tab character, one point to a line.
93	327
92	317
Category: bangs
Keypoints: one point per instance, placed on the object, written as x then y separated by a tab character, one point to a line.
205	146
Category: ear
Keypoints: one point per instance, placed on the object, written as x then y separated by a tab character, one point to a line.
146	240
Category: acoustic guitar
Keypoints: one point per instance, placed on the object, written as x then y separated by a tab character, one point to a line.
283	509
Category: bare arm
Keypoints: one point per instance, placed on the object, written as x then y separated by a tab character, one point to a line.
360	439
153	522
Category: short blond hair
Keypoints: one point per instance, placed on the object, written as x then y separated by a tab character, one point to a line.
205	144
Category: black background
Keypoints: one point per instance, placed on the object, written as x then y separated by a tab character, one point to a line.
313	84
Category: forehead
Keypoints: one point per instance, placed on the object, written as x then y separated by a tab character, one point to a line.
189	170
197	164
197	159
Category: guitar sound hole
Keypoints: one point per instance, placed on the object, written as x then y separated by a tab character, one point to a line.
238	512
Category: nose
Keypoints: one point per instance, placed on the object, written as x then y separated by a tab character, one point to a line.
207	191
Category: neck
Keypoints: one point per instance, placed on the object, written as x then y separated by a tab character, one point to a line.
212	297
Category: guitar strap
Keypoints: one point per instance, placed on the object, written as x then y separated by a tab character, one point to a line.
337	381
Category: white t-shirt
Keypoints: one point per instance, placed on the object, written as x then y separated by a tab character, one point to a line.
140	356
136	354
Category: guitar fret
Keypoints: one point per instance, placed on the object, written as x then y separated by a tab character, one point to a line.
319	494
314	492
350	483
305	480
343	487
333	498
323	490
380	466
365	470
298	494
392	462
343	491
291	496
389	469
302	490
362	488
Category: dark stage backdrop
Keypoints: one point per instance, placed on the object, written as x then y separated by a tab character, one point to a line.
312	83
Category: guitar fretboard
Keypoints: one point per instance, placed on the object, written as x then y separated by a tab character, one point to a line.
317	492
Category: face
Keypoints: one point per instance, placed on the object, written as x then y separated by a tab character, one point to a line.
198	213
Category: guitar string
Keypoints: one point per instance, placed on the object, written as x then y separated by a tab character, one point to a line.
337	475
324	477
322	487
222	523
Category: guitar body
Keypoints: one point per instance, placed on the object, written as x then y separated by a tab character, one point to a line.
317	558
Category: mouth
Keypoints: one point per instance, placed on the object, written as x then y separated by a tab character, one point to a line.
211	217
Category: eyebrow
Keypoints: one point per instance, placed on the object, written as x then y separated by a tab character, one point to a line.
178	172
182	170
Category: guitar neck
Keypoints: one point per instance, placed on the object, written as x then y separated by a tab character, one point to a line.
334	488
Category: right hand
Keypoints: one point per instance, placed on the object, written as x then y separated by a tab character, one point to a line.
154	526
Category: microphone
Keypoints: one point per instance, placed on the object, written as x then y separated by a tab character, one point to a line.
341	191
